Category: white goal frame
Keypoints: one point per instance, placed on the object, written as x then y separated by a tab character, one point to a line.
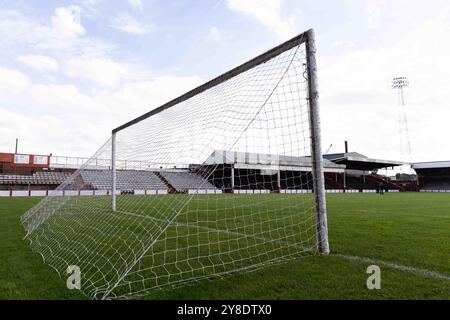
228	177
308	38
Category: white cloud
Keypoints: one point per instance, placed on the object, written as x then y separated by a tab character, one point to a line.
343	44
91	9
267	12
373	10
62	35
90	5
66	21
61	99
214	34
45	133
59	118
15	29
12	81
126	23
142	96
39	62
102	71
136	4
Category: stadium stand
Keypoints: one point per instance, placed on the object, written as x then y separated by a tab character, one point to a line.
253	180
37	178
126	180
358	181
296	180
185	180
258	172
433	176
358	173
436	185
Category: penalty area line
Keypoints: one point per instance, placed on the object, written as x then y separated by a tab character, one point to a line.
422	272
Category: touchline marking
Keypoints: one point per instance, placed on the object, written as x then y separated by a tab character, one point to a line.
422	272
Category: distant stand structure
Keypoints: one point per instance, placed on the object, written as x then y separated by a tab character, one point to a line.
399	83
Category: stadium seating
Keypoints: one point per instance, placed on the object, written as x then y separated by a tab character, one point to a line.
126	180
436	184
358	182
296	180
38	178
185	180
253	181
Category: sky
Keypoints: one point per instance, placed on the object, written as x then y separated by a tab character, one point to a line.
70	71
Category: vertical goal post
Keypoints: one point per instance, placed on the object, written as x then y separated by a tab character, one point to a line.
113	171
228	177
316	148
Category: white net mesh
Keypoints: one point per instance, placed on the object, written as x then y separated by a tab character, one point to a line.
218	183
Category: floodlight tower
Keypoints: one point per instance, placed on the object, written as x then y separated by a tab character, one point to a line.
399	83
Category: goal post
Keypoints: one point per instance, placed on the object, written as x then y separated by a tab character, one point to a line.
314	117
226	178
316	148
113	172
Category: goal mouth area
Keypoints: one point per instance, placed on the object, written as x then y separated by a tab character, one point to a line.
228	177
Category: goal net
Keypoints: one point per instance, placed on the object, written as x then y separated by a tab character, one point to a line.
225	178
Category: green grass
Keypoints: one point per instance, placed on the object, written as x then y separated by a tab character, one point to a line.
409	229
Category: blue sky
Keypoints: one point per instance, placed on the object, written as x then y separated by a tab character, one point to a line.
70	71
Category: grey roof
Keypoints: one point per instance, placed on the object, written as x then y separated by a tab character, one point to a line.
431	165
261	160
358	161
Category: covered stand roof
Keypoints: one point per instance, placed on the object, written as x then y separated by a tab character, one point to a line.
357	161
432	169
431	165
248	160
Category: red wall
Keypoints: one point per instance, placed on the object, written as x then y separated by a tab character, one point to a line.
7	164
7	157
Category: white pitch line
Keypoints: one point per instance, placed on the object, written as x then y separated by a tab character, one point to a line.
422	272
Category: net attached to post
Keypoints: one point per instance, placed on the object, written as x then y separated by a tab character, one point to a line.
218	183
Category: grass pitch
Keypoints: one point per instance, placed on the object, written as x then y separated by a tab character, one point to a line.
408	234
